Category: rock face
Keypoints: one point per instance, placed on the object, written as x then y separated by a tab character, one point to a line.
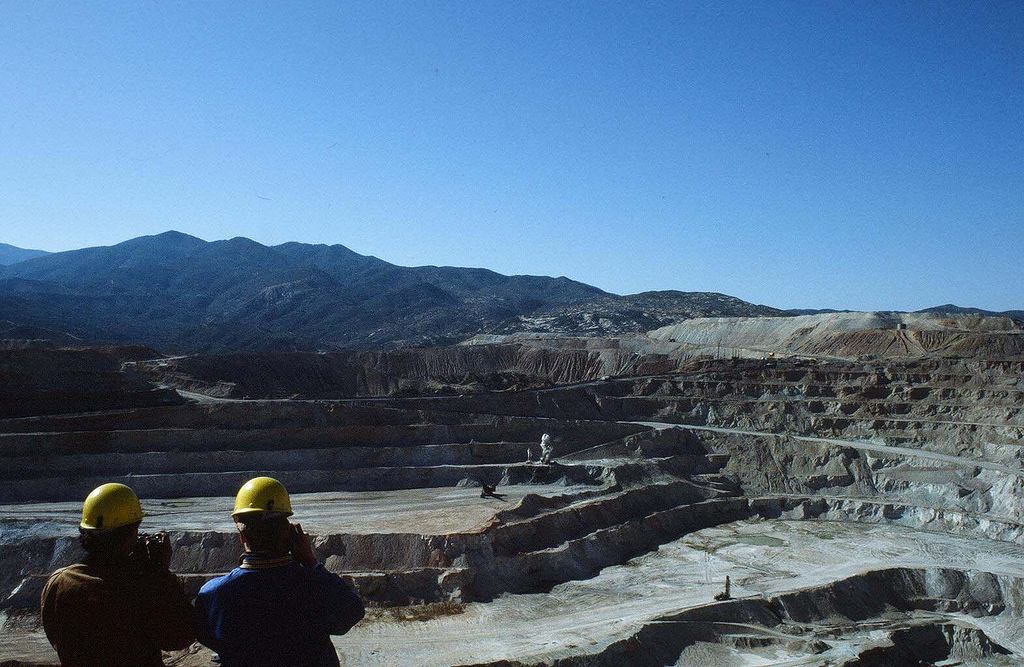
867	511
527	361
447	370
36	381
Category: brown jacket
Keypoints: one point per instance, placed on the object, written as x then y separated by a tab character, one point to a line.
115	616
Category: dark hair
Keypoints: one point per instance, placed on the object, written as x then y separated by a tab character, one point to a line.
106	544
265	533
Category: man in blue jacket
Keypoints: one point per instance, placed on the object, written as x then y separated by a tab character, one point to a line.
279	607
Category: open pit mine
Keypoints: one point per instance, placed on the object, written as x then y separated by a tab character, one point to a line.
843	489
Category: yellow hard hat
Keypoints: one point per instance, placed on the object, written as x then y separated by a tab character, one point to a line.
262	494
110	506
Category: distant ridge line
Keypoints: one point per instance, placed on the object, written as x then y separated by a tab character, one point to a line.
179	293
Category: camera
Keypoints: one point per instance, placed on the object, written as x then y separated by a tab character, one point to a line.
149	552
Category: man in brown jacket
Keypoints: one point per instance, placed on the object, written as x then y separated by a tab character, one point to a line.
122	606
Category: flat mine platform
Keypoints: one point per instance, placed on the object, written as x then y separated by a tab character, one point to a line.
431	511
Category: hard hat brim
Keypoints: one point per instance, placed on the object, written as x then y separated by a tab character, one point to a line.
84	526
257	510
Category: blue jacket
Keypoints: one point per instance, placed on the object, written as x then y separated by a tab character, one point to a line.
275	614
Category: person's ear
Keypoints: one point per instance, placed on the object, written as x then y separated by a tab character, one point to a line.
241	535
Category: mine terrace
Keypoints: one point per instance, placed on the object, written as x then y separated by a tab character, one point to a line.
857	479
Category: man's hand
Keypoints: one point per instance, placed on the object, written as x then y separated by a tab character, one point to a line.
302	546
160	551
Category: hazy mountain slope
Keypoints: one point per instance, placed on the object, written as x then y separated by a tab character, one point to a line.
961	310
10	254
611	314
178	292
948	309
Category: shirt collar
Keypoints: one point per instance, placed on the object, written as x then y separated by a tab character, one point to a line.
257	561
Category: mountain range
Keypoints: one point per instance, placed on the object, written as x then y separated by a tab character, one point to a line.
10	254
179	293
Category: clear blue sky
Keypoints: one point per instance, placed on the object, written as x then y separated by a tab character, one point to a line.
801	154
